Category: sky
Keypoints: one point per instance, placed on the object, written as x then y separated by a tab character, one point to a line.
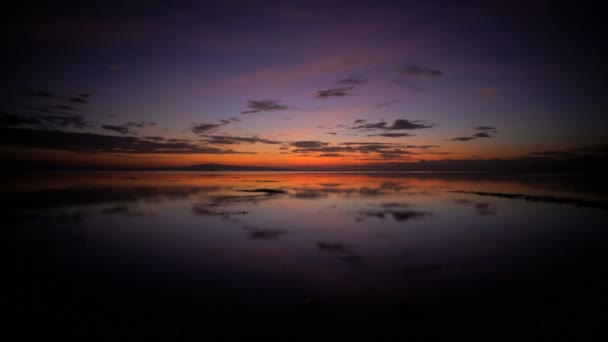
301	84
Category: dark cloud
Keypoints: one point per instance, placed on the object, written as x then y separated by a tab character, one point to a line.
232	140
485	133
62	107
354	80
360	121
548	153
38	93
205	127
153	138
118	129
264	105
399	124
331	133
330	155
394	135
127	128
423	147
406	124
462	139
419	71
335	92
76	99
110	64
386	103
482	135
98	143
44	121
309	144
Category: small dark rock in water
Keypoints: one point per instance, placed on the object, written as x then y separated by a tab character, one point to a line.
266	191
311	303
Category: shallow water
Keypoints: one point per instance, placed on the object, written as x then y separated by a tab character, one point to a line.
377	255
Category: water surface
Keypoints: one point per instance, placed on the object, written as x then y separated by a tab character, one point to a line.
304	254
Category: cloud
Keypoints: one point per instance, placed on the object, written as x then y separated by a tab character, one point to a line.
386	103
330	155
309	144
62	107
406	124
44	121
153	138
462	139
482	135
374	150
232	140
38	93
205	127
265	105
76	99
335	92
399	124
119	129
419	71
484	128
485	133
353	80
126	128
98	143
424	147
392	135
109	64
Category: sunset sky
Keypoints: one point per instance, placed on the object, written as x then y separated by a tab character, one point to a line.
300	83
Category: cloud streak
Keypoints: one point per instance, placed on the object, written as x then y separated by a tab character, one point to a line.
98	143
335	92
265	105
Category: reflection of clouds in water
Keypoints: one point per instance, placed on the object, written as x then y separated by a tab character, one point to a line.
397	215
481	208
205	210
344	252
123	210
256	233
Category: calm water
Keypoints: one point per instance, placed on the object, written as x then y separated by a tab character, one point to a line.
290	255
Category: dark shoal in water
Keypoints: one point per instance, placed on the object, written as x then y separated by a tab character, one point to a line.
579	202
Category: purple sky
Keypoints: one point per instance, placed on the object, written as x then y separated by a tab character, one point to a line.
301	83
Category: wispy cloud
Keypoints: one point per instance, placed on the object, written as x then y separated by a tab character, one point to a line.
127	128
412	70
235	140
386	103
335	92
44	121
265	105
399	124
98	143
39	93
462	139
354	80
483	132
